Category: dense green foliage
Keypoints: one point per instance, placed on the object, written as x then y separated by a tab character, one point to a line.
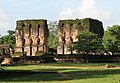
88	42
111	39
53	38
8	39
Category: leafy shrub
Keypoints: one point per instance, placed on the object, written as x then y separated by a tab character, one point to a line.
39	53
18	54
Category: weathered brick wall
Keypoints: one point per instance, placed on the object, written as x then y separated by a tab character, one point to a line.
69	29
31	36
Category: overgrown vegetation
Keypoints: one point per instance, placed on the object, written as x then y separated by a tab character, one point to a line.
88	42
111	39
8	39
53	38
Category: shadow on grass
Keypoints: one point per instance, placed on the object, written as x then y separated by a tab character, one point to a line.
53	75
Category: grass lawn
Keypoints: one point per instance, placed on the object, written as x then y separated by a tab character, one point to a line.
60	73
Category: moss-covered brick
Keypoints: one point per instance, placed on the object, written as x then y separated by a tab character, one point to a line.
30	31
86	24
27	22
71	28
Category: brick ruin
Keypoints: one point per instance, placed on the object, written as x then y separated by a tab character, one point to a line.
31	36
69	29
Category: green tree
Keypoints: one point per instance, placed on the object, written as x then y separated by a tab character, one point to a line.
115	30
88	42
10	32
53	38
1	40
8	39
111	39
52	25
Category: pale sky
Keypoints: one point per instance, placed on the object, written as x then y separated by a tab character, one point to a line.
107	11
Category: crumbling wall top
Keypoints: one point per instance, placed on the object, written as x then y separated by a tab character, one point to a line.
24	23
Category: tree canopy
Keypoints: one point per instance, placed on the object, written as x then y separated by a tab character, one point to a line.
87	42
111	39
53	38
8	39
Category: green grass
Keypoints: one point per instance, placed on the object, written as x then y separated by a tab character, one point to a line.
62	73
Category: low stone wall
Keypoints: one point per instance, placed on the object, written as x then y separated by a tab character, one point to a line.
33	59
65	58
88	58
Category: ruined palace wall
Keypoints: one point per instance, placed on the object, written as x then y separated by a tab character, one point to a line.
31	36
69	29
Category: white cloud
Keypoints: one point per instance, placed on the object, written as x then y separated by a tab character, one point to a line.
4	22
67	13
87	8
